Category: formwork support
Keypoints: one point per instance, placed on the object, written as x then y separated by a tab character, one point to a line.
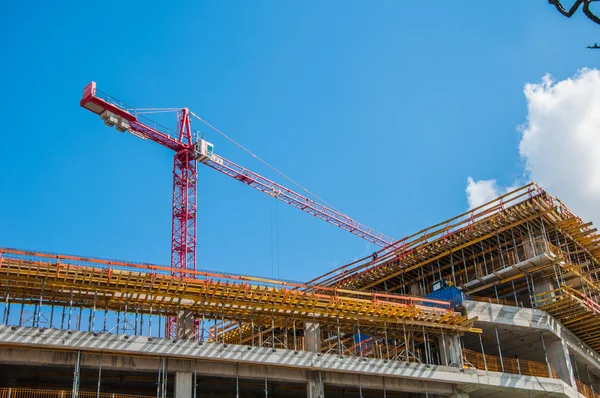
75	393
314	385
99	377
450	350
499	348
161	384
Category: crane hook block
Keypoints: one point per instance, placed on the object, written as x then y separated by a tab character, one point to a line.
203	150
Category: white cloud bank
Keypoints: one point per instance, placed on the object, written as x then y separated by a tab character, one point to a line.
482	191
560	143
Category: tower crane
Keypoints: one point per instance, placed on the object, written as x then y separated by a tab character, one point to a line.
188	153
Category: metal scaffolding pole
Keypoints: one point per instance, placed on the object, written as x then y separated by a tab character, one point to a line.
237	380
499	348
266	385
196	380
483	353
99	377
6	305
75	391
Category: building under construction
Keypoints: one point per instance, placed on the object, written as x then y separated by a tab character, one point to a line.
499	301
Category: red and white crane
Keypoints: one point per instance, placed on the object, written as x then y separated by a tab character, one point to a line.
187	153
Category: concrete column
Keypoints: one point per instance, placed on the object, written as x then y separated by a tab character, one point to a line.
312	343
185	325
415	289
545	285
539	287
314	385
558	356
450	350
312	336
459	394
529	246
183	385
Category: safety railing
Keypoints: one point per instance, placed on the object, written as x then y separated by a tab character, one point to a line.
586	391
568	292
35	393
473	359
511	255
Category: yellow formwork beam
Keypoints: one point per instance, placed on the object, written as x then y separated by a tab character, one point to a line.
164	294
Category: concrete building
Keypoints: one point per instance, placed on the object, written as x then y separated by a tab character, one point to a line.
500	301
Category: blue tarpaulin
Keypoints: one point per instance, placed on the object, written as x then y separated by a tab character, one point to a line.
452	294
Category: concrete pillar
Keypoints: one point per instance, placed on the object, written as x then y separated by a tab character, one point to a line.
415	289
450	350
545	285
185	325
183	385
528	246
558	356
312	336
312	343
541	290
314	385
459	394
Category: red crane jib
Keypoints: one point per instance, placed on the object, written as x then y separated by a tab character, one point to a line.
99	103
115	113
183	247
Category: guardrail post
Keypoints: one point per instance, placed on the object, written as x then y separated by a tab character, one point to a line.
9	392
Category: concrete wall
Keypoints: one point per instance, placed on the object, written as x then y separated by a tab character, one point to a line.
534	320
37	346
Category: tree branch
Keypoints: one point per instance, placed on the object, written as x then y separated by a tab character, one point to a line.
586	9
561	9
589	13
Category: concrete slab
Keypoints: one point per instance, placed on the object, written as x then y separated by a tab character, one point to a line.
30	345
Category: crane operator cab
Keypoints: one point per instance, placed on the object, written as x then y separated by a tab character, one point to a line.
203	150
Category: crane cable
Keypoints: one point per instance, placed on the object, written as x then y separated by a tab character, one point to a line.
263	162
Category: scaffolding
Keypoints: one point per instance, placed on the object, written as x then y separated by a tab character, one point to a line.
524	249
467	243
113	296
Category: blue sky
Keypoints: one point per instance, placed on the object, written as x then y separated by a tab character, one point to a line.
383	110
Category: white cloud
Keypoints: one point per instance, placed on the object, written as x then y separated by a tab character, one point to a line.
480	192
560	143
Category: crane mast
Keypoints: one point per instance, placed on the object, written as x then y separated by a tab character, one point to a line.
187	155
185	175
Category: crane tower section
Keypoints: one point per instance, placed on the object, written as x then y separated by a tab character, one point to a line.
116	114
